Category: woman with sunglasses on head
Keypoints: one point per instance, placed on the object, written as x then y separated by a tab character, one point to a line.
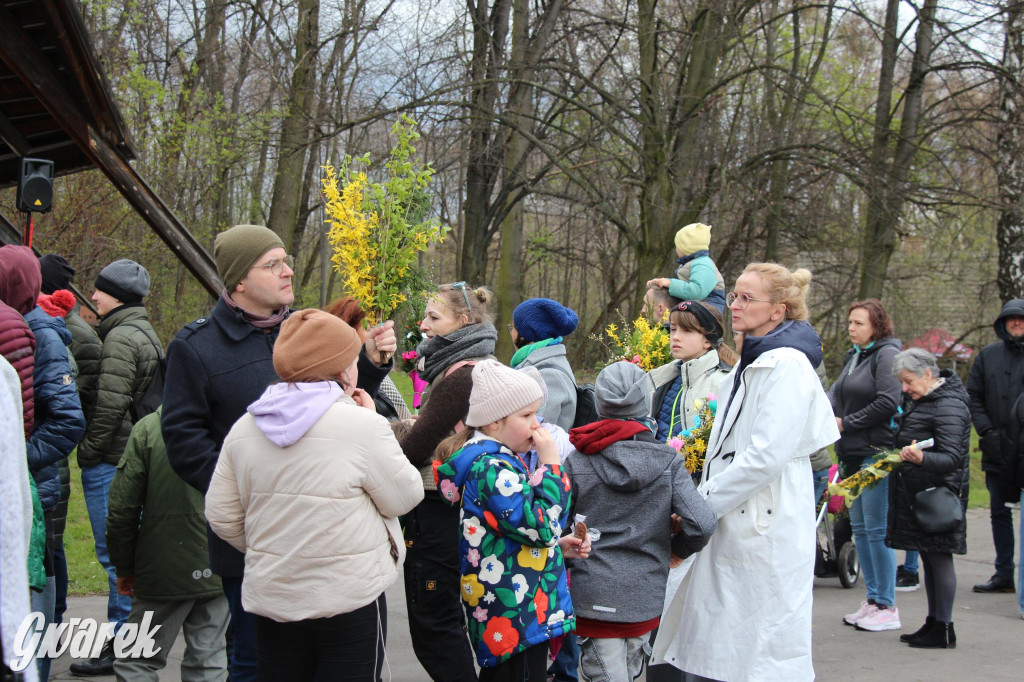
745	612
458	333
457	330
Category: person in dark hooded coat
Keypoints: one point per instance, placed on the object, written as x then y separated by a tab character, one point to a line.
995	383
934	406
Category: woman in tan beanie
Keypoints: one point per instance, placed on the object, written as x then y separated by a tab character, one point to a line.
309	484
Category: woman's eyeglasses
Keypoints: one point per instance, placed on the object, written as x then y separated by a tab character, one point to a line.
743	299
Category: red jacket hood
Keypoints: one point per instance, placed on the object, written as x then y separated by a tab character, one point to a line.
20	278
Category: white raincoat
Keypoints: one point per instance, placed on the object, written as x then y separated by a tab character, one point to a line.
743	611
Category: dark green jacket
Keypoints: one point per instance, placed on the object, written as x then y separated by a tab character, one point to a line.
87	349
156	529
127	364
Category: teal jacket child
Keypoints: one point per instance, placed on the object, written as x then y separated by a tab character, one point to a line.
513	576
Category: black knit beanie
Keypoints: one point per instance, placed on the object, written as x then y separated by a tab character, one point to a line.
125	280
57	272
448	405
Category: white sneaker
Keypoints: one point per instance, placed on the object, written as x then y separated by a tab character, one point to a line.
880	620
864	610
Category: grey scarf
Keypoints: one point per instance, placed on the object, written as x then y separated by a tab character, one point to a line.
466	343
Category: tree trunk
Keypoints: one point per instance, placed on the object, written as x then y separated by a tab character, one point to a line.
886	184
1010	157
295	128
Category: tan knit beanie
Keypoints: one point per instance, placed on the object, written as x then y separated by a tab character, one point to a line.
499	391
237	249
314	345
693	237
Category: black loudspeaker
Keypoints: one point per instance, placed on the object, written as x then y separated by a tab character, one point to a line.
35	185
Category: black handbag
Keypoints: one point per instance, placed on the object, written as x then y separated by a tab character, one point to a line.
938	510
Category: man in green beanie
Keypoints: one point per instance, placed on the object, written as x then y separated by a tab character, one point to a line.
216	367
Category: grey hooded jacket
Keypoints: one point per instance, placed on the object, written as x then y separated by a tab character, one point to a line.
629	491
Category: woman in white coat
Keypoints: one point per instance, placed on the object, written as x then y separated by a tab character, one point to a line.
744	611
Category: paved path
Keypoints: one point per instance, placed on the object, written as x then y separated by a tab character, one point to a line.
990	631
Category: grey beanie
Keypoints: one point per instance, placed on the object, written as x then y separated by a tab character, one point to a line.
499	391
125	280
622	391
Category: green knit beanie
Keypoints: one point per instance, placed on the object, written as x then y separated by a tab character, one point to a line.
237	249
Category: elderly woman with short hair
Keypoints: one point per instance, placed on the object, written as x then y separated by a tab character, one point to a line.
934	406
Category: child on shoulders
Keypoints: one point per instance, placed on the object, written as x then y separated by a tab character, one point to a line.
696	277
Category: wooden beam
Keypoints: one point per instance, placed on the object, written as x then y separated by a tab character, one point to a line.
24	59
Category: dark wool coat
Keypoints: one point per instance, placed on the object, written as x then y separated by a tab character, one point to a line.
995	383
944	416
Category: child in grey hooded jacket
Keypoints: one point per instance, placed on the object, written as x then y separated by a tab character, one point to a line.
629	487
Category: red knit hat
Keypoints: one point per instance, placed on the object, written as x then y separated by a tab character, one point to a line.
57	304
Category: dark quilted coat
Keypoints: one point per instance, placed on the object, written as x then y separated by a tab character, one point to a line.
127	365
59	423
87	349
20	281
18	346
943	415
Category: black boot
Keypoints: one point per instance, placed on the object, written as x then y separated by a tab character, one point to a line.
921	631
941	636
996	583
101	665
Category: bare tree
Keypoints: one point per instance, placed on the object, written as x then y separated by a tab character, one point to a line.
1010	156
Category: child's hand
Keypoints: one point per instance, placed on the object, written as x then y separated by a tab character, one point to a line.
574	548
659	282
363	399
544	444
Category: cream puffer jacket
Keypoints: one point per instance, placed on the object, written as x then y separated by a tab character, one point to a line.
314	506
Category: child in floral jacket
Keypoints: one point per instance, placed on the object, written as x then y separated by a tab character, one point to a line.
513	573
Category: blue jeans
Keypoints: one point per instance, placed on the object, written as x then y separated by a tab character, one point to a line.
869	516
43	603
1002	527
910	561
96	488
820	483
244	661
567	662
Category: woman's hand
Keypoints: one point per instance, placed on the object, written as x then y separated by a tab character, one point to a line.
363	399
659	282
911	454
544	444
380	340
574	548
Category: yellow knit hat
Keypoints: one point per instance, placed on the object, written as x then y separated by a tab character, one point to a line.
693	237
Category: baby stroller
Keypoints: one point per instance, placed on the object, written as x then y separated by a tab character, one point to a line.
836	556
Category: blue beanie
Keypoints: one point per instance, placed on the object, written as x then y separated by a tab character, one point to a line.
537	319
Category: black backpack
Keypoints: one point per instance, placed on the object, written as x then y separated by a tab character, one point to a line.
153	396
586	405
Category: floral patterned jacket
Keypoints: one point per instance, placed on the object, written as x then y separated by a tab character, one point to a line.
513	575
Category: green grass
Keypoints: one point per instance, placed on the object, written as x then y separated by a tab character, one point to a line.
404	384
